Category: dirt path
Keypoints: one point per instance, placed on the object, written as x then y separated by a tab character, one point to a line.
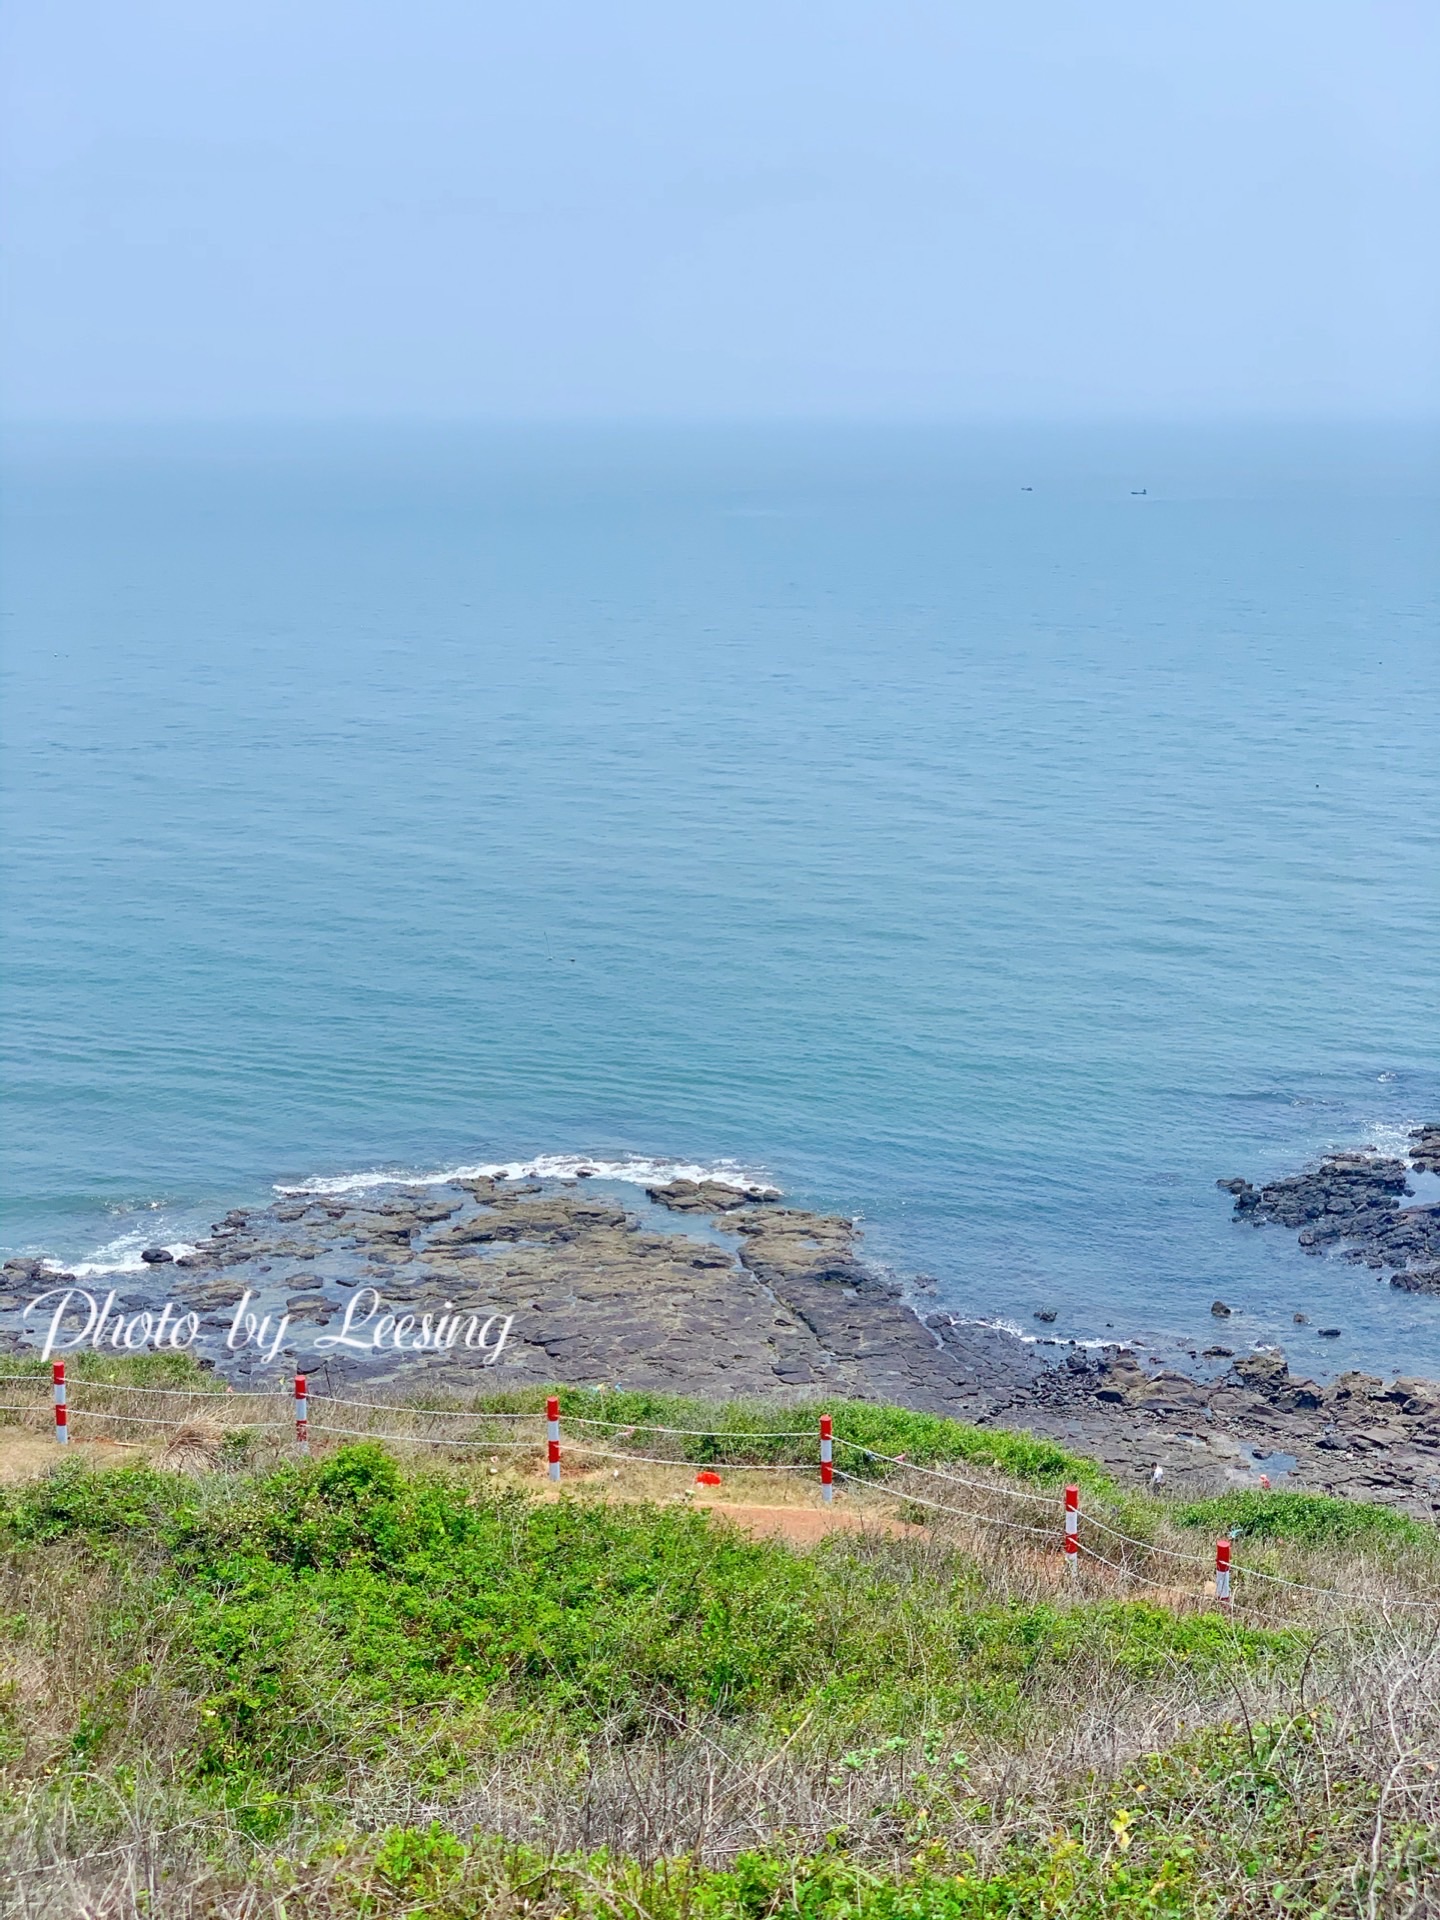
25	1454
802	1526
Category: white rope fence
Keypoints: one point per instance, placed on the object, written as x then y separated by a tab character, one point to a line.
1067	1535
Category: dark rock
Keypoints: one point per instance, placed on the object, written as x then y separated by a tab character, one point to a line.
1297	1395
157	1256
1357	1386
306	1307
600	1294
1327	1333
1219	1353
1350	1201
1417	1280
1220	1310
207	1289
1046	1315
707	1196
1416	1396
1265	1372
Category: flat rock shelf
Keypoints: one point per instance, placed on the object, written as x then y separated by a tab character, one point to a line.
712	1289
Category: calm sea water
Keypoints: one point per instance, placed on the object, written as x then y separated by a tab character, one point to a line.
1000	865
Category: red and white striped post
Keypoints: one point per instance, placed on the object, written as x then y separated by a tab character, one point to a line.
62	1412
827	1458
302	1413
1072	1528
1222	1572
552	1435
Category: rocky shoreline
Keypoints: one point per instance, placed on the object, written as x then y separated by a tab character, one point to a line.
1353	1201
713	1289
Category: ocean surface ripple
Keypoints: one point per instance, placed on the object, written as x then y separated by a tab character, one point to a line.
1001	867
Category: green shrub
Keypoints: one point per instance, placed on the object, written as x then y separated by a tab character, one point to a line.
349	1641
119	1369
1307	1519
740	1430
1062	1878
73	1501
350	1608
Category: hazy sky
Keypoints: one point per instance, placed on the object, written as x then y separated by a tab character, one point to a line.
770	207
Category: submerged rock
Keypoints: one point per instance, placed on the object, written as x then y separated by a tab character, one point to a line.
707	1196
1352	1201
1417	1280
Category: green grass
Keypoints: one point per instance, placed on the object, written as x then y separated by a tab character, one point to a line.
122	1369
303	1685
347	1608
737	1430
1306	1519
734	1430
428	1868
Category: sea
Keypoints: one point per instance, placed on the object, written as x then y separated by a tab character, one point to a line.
997	833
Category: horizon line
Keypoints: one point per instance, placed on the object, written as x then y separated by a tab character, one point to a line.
1211	417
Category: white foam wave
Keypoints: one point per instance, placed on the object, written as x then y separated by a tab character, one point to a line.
1390	1137
638	1169
1002	1325
117	1256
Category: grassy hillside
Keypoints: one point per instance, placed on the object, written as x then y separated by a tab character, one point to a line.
387	1682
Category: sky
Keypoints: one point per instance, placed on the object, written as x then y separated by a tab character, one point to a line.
911	209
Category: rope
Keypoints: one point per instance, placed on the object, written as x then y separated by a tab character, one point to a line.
689	1433
1253	1573
178	1393
962	1513
149	1420
448	1413
950	1479
210	1401
654	1460
1333	1593
1232	1605
1117	1566
1167	1553
1144	1546
571	1419
430	1439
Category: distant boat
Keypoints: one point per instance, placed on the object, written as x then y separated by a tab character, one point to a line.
1137	493
1027	489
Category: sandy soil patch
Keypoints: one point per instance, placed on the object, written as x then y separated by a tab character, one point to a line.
25	1454
802	1526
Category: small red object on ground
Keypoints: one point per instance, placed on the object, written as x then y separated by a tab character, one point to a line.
706	1478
